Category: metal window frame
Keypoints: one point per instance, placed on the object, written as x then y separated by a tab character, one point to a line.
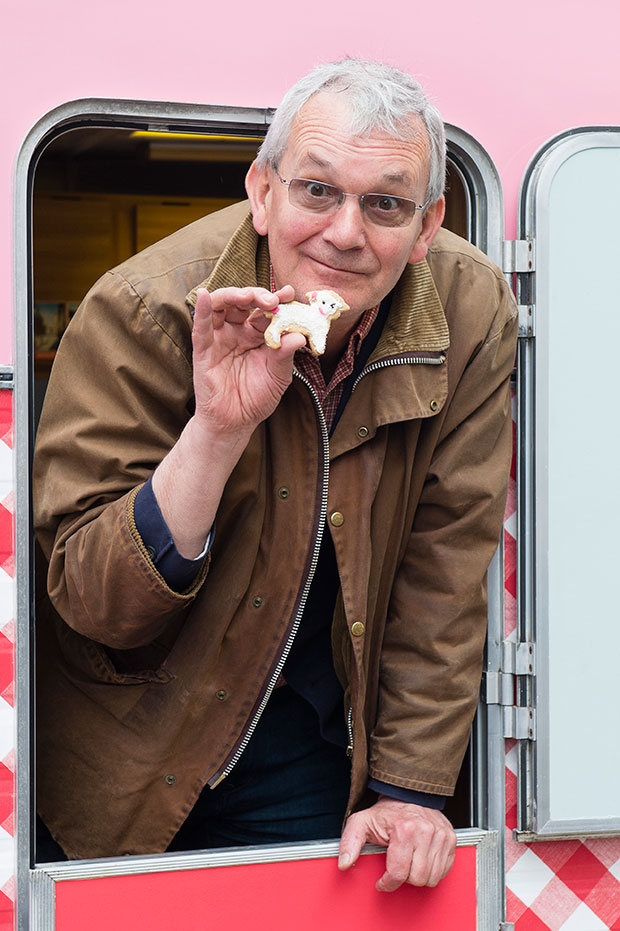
46	877
534	818
485	216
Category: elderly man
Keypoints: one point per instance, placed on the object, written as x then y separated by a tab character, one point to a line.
266	574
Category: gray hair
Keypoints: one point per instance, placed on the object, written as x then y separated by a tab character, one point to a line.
380	97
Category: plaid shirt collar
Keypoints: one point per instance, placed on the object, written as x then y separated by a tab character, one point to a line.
309	365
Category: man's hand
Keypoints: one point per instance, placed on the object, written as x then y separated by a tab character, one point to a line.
420	842
238	383
238	379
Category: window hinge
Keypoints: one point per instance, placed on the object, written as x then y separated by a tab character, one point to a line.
527	328
519	658
519	723
519	258
6	376
500	688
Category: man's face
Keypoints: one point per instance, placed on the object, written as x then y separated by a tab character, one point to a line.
342	251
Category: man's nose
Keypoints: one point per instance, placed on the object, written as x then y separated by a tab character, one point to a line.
346	229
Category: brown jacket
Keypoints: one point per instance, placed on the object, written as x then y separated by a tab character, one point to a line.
145	694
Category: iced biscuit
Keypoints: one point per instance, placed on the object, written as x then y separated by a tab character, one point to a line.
312	319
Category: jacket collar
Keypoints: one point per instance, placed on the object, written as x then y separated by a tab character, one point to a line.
416	323
244	263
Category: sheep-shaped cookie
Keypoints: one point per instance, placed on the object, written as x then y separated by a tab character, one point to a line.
312	319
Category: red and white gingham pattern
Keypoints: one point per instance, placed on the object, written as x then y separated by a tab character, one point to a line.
7	674
552	885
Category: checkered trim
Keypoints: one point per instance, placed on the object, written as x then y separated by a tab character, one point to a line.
552	885
7	667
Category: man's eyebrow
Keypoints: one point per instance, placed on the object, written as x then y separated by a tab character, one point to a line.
316	160
397	177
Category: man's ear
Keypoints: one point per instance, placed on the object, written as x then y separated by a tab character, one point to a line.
431	221
258	187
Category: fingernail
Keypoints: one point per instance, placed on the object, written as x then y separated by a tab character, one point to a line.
344	861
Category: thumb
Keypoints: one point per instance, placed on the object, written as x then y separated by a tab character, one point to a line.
280	360
353	839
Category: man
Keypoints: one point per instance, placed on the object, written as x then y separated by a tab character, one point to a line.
239	535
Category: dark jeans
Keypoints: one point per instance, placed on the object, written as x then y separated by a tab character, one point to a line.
289	785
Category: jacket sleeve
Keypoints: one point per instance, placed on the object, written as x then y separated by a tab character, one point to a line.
117	400
437	613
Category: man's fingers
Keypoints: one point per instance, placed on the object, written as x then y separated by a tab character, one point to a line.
354	836
420	842
440	866
247	299
203	322
432	861
409	843
258	320
236	306
420	852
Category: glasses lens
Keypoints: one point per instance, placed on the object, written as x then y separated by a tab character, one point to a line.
388	210
313	195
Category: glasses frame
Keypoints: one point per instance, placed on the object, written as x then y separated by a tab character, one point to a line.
361	198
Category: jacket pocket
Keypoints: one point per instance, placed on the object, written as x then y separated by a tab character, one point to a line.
128	667
114	680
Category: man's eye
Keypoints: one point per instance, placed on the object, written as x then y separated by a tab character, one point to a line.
386	203
315	189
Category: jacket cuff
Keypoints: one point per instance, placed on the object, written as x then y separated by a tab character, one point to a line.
178	572
408	795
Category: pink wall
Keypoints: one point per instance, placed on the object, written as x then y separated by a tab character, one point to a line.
511	75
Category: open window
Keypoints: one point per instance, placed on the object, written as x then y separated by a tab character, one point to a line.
98	181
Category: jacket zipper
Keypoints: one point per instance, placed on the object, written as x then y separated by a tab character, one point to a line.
245	739
350	731
399	360
383	364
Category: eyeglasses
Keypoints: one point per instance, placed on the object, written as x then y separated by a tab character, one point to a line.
381	209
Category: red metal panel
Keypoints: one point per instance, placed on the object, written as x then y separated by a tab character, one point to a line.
302	894
6	417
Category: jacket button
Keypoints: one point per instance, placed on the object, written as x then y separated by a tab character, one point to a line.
284	492
170	779
337	519
221	695
363	431
434	405
152	552
357	629
257	601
